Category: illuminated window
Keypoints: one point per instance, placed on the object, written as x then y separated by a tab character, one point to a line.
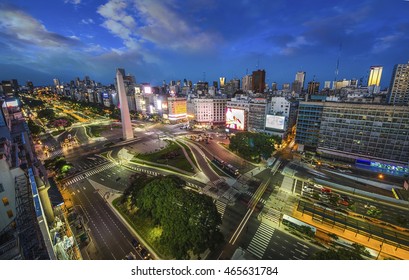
10	213
5	201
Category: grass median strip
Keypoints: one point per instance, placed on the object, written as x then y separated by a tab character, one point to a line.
171	155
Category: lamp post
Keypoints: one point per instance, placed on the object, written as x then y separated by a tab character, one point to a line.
380	250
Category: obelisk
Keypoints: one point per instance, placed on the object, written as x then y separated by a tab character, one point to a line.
123	103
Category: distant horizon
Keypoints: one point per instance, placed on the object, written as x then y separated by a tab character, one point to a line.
201	40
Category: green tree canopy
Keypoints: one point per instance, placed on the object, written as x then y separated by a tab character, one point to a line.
34	129
253	146
189	220
48	114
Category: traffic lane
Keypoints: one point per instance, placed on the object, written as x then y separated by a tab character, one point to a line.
283	246
389	213
110	236
202	162
215	149
97	237
119	237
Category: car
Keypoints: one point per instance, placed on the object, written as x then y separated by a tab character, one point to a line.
343	202
321	205
326	190
135	243
130	256
308	190
324	195
144	253
341	211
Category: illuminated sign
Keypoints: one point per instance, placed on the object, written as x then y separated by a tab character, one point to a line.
12	103
235	118
105	95
275	122
147	90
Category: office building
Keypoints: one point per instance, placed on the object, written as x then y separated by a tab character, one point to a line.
247	83
222	81
300	77
313	87
259	81
372	134
308	124
257	114
375	75
398	93
209	111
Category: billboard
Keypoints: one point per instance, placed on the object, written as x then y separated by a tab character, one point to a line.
275	122
12	103
235	118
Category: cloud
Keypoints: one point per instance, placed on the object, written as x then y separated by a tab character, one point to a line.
19	28
87	21
385	42
74	2
158	22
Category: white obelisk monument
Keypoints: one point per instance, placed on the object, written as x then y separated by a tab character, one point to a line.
125	117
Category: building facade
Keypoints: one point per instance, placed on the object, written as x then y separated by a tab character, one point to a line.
371	134
259	81
257	114
375	75
399	87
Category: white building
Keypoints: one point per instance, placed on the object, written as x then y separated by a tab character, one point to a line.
209	111
280	106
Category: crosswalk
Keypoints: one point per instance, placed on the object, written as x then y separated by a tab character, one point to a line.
259	243
272	215
89	173
221	207
55	153
262	200
150	172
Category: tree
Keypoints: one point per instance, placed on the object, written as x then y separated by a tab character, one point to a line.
61	122
189	221
34	129
253	146
48	114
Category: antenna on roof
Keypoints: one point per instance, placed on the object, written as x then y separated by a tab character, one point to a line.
337	69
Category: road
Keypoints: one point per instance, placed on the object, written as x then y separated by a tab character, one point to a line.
110	237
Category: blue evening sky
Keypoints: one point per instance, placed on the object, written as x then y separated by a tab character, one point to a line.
159	40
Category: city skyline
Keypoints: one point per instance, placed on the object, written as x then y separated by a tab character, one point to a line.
201	40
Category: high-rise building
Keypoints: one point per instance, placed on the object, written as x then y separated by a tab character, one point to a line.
247	83
259	81
296	87
274	86
313	87
398	93
300	77
369	134
375	75
286	86
222	81
123	101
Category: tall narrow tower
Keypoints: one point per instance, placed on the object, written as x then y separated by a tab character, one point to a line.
123	101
